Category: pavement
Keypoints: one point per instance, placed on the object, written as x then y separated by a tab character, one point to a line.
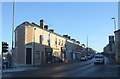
19	69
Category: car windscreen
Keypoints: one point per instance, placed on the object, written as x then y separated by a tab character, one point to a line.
82	56
98	56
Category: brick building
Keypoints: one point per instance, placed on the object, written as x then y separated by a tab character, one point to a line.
36	44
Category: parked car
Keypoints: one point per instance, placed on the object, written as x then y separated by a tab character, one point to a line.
89	56
56	59
99	59
83	58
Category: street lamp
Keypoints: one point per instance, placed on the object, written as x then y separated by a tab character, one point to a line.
34	48
114	23
13	17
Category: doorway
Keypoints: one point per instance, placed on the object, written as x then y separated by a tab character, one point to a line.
28	55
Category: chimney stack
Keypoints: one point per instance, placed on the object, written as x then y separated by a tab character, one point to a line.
65	36
69	37
73	39
51	30
46	27
42	24
111	39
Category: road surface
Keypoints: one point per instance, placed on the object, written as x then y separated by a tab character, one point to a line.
76	69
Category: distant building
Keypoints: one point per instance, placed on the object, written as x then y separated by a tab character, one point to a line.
117	45
36	44
117	37
110	47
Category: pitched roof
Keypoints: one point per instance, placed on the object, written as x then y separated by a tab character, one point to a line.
26	23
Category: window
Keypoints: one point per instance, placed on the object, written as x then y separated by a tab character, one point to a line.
62	43
41	38
56	41
59	41
37	55
48	39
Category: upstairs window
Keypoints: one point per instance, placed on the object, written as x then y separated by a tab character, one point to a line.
56	41
59	41
41	38
48	39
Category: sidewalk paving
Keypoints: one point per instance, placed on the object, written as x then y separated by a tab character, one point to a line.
20	69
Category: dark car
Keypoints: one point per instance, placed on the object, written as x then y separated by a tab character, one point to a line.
56	59
83	58
89	56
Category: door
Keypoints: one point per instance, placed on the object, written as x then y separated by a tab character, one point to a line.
28	55
42	57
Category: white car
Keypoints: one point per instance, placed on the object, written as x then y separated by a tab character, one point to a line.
83	58
99	59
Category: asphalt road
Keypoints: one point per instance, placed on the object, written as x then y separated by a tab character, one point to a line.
76	69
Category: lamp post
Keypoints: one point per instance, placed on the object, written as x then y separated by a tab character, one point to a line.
114	30
114	23
13	17
13	23
34	49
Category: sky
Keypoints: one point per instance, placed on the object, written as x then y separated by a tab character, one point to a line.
77	19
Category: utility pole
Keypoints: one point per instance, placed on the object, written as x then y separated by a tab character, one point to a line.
114	30
34	49
13	17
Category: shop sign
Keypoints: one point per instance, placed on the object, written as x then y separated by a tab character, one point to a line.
55	48
48	49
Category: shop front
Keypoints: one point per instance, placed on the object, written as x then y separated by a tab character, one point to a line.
48	55
63	53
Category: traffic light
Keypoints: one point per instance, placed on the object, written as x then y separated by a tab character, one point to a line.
4	47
